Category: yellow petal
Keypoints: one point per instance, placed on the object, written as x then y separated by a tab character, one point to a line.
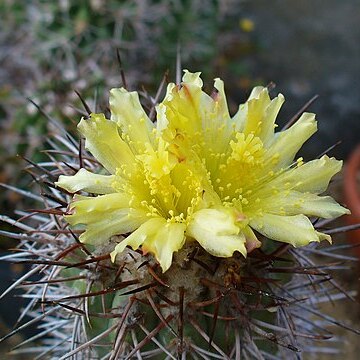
180	108
269	119
240	118
188	117
295	202
169	238
216	232
216	125
261	114
87	181
162	122
192	79
116	222
257	116
313	176
256	92
220	100
104	216
85	206
296	230
137	238
158	237
103	141
131	118
287	143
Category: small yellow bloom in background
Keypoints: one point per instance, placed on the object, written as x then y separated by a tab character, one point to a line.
246	25
198	174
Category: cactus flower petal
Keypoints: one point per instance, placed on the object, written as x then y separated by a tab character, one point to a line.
157	236
104	142
120	218
216	231
128	114
296	230
260	114
287	143
295	202
87	181
313	176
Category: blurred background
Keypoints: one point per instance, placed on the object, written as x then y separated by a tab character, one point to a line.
48	49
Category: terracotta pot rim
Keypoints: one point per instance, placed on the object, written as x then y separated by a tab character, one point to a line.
352	197
352	194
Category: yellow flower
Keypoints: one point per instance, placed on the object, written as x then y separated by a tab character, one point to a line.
246	25
198	174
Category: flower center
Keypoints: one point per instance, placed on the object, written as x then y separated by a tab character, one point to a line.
239	169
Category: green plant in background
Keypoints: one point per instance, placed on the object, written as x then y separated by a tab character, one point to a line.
67	45
199	197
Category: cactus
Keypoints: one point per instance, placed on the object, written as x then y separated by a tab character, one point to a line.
122	276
